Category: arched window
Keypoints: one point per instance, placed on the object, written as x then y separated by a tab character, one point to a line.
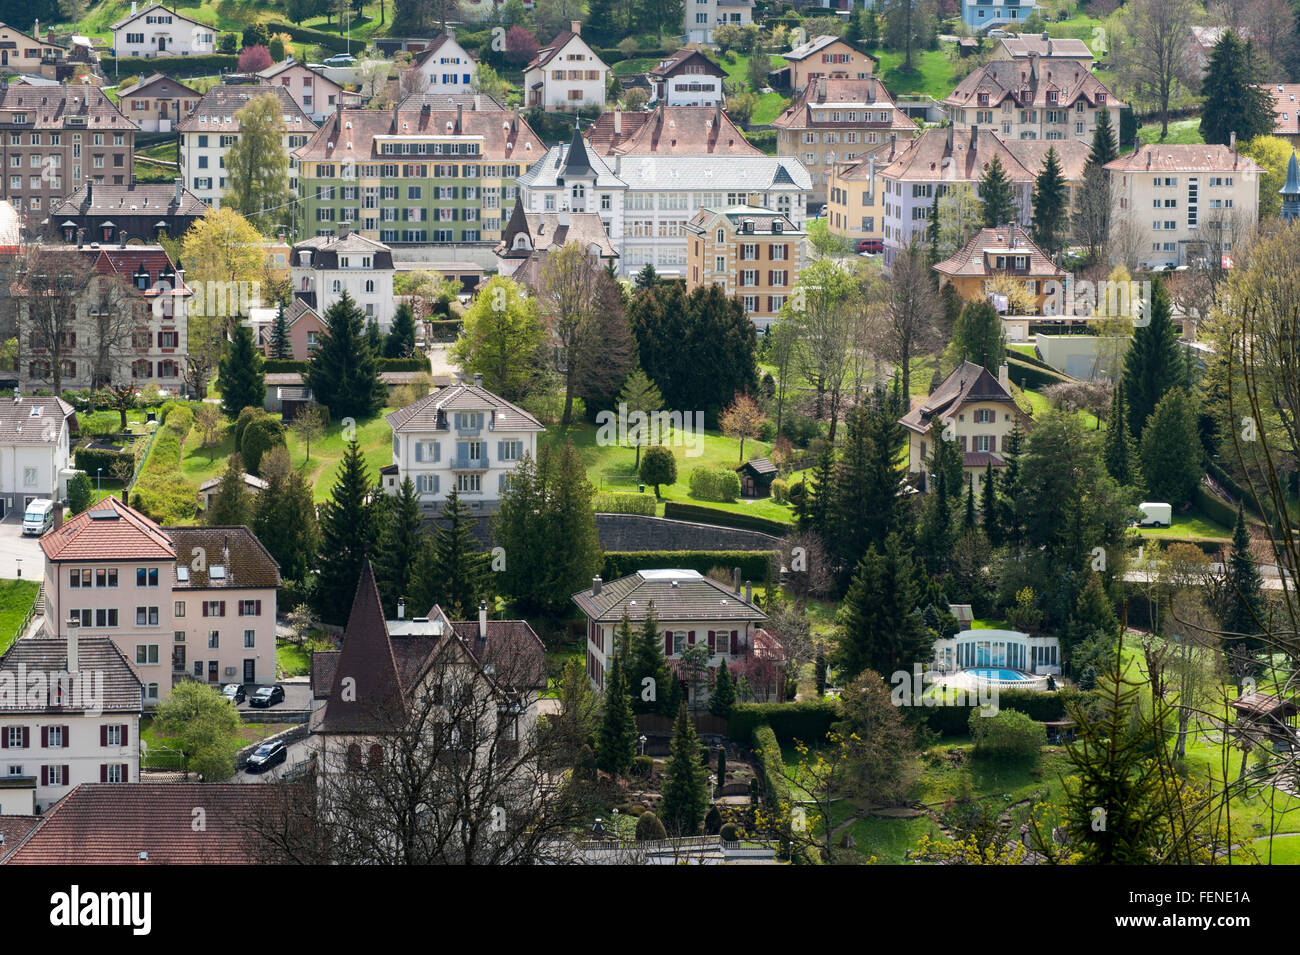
354	756
370	285
376	757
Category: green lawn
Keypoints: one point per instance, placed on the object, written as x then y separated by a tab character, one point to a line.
931	73
640	64
770	105
1194	525
16	599
1182	132
291	659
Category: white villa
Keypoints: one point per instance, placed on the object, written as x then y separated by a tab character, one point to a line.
158	31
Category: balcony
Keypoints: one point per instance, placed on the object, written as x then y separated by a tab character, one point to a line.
470	464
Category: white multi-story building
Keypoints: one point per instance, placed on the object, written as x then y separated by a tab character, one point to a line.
688	78
158	31
566	74
461	437
701	17
444	67
208	133
322	268
33	450
316	93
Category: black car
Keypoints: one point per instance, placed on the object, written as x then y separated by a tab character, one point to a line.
234	692
267	696
266	756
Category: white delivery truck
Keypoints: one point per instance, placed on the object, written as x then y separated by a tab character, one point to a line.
1155	515
38	517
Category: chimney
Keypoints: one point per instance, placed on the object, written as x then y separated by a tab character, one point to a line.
81	238
126	497
132	7
58	515
395	120
482	619
595	586
90	192
1232	140
717	116
618	122
735	579
563	218
749	592
73	625
575	27
1004	377
460	117
179	182
401	609
478	379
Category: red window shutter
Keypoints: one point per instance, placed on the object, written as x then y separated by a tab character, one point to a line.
205	608
45	775
126	772
963	442
67	777
45	737
103	735
257	608
690	637
4	737
735	642
67	736
239	608
126	727
993	443
27	737
711	639
668	643
103	772
223	609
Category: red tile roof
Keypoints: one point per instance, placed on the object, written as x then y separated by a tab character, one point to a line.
671	131
968	382
109	531
972	260
1286	108
1190	158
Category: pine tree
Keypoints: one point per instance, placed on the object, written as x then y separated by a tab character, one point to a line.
345	537
815	514
616	737
1119	451
400	342
1009	485
882	629
458	563
284	520
978	336
968	522
1234	99
281	347
1051	205
1154	363
344	371
232	505
646	661
723	697
400	540
647	277
932	229
1171	450
997	196
1103	148
989	506
243	383
686	782
1243	615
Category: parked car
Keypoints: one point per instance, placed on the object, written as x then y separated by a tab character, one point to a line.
234	692
341	59
821	213
267	696
266	756
871	245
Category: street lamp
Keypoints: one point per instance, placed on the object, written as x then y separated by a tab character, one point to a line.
20	568
641	741
99	481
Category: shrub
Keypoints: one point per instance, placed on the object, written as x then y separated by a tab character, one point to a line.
768	753
1008	734
623	503
91	460
261	435
658	466
806	720
649	827
246	417
715	484
712	821
729	832
161	492
643	766
780	491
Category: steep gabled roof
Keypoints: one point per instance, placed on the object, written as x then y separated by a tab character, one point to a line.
438	43
156	79
674	64
1286	108
670	131
549	52
18	425
366	695
432	412
863	98
932	157
968	382
676	595
108	531
1027	82
246	563
1184	158
972	259
130	18
216	111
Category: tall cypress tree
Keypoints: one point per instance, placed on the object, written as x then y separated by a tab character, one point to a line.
344	371
1119	450
616	737
1103	141
1051	205
968	522
243	383
1009	485
400	542
281	347
723	697
1244	605
997	197
1154	363
989	506
686	791
346	535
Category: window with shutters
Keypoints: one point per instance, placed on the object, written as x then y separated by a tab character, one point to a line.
250	608
679	641
54	737
113	736
16	737
54	775
509	450
214	608
113	773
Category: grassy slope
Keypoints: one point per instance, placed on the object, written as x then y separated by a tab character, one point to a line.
769	105
1181	132
102	15
16	598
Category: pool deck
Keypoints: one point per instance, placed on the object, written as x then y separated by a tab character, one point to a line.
968	679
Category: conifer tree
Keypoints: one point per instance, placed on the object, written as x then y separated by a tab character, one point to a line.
284	520
1234	99
281	347
1050	205
882	628
400	542
346	535
978	336
616	737
400	342
1243	616
1154	363
968	519
723	697
686	788
1119	452
989	506
646	661
997	196
232	505
343	373
240	372
454	575
1171	450
1103	148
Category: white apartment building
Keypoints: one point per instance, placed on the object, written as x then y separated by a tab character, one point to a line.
461	437
209	132
1032	98
701	17
158	31
566	74
34	446
688	78
444	67
322	268
1191	201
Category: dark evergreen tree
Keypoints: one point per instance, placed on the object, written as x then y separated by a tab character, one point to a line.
989	514
1243	616
997	196
646	662
1009	485
400	541
968	523
343	373
240	371
1051	205
232	505
345	537
400	342
647	277
459	579
816	511
882	626
978	335
686	782
616	737
374	338
1172	461
1154	363
1103	149
1235	99
723	697
1119	451
284	520
281	347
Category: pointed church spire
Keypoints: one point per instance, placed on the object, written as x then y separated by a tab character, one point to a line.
367	691
1290	192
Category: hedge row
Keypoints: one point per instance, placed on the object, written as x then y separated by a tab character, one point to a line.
161	492
711	515
92	460
1044	707
330	41
753	564
283	365
768	753
446	330
1027	376
1214	507
806	720
715	484
177	67
614	502
764	139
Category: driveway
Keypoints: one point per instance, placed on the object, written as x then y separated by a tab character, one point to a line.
297	696
296	753
14	545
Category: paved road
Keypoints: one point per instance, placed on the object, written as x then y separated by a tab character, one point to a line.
14	545
297	753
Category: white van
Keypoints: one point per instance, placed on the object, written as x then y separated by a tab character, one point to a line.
1155	515
38	517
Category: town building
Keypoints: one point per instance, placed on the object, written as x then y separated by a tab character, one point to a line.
56	140
156	103
981	412
1037	655
35	441
312	90
825	56
692	611
1192	202
530	237
1286	112
855	203
570	178
443	68
1047	48
701	17
462	437
417	175
180	603
29	54
1004	252
253	484
687	78
1030	98
324	267
566	74
72	716
305	328
159	31
139	212
208	133
833	120
983	15
754	254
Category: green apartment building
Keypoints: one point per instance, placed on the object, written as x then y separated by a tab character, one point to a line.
435	169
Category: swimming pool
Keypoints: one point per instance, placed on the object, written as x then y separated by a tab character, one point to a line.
997	675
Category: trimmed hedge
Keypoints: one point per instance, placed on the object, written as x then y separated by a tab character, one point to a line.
445	330
92	459
330	41
161	492
806	720
1028	376
703	514
1215	508
280	366
615	502
715	484
753	564
284	365
177	67
403	364
768	753
1044	707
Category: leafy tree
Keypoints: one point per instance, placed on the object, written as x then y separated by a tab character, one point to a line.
616	738
743	418
345	535
908	24
1153	364
686	785
908	328
978	336
723	697
1235	101
881	627
1051	205
243	381
502	338
224	250
400	342
1171	449
253	59
309	424
1120	451
281	347
997	196
658	466
204	726
284	520
1273	153
232	505
343	373
80	492
400	541
261	435
881	744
